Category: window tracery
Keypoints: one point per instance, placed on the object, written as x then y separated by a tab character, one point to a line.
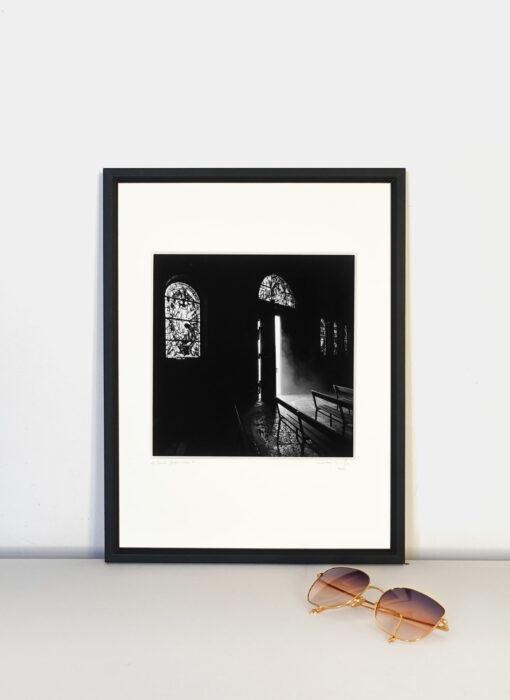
275	288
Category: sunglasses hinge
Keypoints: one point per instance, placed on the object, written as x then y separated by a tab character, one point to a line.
443	625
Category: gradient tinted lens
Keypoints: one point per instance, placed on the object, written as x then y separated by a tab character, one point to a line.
407	614
338	586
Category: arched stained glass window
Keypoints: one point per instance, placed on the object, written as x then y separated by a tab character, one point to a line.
182	321
335	338
275	288
323	337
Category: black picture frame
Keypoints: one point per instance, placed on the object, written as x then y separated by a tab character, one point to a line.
396	177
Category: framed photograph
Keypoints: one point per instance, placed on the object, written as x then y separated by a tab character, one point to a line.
254	365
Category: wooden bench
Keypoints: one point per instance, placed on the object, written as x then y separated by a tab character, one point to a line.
308	431
292	418
331	407
344	396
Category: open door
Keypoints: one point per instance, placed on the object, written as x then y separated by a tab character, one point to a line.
267	358
278	354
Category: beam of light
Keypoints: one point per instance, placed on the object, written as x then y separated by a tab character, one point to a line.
259	358
278	353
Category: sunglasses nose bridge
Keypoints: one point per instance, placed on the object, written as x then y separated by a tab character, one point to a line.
368	603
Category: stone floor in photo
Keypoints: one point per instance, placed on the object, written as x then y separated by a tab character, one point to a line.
261	424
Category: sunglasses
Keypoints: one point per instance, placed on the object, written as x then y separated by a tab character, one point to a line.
403	613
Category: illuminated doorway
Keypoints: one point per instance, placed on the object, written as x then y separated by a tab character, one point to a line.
278	353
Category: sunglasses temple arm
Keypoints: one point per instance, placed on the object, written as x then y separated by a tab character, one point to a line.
335	588
394	635
319	609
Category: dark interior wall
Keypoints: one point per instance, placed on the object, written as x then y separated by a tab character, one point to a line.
186	391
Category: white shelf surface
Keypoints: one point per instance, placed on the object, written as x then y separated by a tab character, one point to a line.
73	629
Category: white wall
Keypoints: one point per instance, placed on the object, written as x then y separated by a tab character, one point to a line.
266	83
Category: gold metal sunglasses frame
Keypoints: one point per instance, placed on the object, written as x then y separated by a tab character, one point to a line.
361	601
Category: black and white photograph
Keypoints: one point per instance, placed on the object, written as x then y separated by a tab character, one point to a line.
253	355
